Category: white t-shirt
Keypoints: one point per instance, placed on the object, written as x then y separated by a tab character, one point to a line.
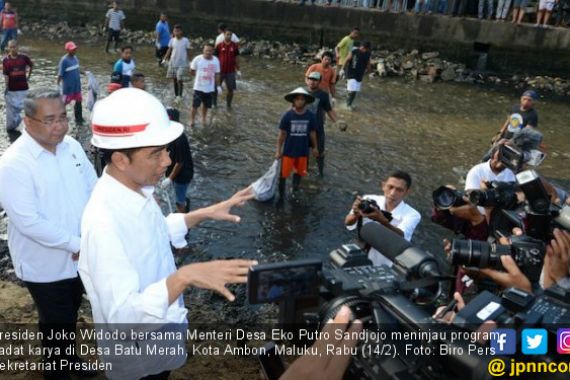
179	53
405	217
483	172
206	70
220	38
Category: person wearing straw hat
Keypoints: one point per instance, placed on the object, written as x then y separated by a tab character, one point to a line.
126	261
296	129
68	73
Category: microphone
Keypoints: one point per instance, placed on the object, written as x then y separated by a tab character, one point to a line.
410	260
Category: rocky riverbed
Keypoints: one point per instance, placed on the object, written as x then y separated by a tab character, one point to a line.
412	65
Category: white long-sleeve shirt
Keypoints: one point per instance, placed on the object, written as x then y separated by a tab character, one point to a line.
44	195
125	260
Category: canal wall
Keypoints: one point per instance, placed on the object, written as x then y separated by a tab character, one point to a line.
509	48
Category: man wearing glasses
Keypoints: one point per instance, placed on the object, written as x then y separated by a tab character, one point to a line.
45	182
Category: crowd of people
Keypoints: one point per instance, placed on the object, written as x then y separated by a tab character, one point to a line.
548	12
72	228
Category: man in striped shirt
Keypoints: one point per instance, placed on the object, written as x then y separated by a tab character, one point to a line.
114	20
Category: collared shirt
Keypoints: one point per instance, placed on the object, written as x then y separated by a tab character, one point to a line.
405	218
124	263
44	195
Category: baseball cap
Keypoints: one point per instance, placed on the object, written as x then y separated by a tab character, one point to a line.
531	94
70	45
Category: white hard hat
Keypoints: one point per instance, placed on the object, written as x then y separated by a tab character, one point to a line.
132	118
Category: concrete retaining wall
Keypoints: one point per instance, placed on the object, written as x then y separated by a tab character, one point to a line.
510	48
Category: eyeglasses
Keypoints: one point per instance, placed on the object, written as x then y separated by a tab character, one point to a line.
51	122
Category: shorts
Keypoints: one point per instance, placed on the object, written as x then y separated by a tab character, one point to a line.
180	191
547	5
520	3
180	73
202	97
230	79
288	164
72	98
353	85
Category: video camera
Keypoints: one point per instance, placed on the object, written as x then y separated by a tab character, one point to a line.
397	299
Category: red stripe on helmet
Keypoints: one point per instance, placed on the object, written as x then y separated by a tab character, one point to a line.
118	130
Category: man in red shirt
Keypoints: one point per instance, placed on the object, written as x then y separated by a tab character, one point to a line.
227	52
328	74
9	24
17	69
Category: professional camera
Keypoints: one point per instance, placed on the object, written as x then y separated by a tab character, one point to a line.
498	194
511	157
541	215
444	198
526	251
370	205
390	301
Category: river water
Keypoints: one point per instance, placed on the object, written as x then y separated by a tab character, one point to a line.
434	131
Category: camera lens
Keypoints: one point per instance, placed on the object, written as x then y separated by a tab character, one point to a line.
478	254
444	198
484	198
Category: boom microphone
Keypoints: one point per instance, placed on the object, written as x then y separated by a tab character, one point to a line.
408	259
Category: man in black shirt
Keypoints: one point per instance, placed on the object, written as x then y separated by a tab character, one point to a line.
356	65
521	115
319	107
181	170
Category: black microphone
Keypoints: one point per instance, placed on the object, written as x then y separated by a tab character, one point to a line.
407	258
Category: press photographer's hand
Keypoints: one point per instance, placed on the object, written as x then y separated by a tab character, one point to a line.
557	259
325	366
511	277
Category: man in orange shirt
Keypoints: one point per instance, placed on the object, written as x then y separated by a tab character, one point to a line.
328	74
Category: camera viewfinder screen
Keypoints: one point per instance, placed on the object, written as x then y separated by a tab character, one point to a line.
275	285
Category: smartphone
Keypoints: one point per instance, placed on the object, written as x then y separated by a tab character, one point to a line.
272	364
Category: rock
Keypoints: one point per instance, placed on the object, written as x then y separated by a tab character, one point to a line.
414	73
427	78
408	65
430	55
433	71
448	74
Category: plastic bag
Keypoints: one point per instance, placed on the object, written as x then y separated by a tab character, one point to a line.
266	186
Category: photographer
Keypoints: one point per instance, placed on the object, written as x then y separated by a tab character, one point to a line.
491	170
404	218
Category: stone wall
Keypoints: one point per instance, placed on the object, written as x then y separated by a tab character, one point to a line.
510	48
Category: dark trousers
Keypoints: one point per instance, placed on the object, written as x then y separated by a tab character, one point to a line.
159	376
57	304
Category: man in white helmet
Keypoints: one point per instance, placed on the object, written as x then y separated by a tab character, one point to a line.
126	261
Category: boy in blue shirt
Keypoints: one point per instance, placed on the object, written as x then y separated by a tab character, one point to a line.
296	129
68	73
